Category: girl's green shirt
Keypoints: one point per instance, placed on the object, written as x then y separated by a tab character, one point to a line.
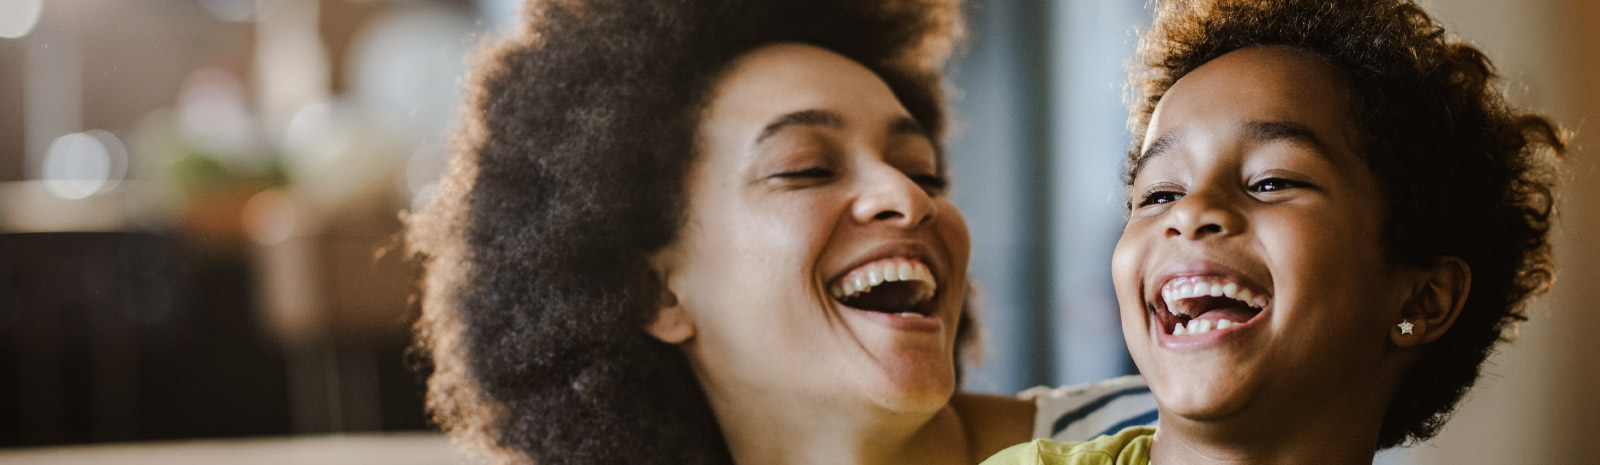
1128	447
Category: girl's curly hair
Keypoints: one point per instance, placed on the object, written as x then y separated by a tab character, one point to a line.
569	170
1463	173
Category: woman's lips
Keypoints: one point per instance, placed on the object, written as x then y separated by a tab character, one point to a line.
917	280
894	283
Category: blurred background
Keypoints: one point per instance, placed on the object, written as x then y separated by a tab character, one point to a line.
199	257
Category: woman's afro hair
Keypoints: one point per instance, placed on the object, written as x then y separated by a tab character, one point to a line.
569	171
1463	173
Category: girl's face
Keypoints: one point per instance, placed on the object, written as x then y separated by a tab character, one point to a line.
1250	275
821	259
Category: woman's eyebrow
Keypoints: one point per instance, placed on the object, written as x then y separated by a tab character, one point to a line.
906	125
813	117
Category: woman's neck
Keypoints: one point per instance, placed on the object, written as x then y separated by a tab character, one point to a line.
778	431
787	433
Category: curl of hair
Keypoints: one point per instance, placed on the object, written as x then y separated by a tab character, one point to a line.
569	171
1463	173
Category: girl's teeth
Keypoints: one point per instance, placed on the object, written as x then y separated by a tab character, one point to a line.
1201	327
908	314
1177	292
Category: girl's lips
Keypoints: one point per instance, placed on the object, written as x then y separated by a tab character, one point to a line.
1209	338
1200	303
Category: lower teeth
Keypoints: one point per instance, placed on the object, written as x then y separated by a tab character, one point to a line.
908	314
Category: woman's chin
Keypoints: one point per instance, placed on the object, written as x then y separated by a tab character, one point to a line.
917	390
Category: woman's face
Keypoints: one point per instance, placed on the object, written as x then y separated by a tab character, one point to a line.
821	259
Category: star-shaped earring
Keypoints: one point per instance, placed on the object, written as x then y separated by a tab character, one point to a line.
1405	327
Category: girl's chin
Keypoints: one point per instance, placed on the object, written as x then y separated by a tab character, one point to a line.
1200	403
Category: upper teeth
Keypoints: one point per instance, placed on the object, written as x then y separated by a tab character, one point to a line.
884	271
1178	290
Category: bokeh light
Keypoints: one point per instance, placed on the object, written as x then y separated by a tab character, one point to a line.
423	171
82	164
17	17
238	10
213	115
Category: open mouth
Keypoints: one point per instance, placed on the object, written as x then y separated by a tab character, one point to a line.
1203	304
896	286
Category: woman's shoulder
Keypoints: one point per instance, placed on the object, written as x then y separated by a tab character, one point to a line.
995	421
1084	411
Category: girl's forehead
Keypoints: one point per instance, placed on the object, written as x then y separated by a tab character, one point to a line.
1258	94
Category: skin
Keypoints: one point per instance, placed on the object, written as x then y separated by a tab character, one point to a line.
1250	171
808	167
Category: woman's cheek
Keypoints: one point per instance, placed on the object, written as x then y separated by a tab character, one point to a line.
953	231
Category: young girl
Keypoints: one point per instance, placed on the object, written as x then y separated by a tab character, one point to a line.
1334	216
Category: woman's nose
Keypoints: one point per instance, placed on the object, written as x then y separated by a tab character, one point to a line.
891	197
1199	215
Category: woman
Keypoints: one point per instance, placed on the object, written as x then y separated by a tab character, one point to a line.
707	232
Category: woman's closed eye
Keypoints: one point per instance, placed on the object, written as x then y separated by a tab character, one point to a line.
932	183
808	173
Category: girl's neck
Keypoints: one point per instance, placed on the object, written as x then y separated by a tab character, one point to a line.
1335	441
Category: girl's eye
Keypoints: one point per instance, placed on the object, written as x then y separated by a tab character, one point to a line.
1274	184
1160	197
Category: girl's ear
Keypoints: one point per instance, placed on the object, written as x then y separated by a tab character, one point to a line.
1435	304
672	323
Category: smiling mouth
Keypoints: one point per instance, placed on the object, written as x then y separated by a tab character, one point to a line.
896	286
1202	304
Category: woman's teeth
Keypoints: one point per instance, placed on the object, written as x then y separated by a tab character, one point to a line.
863	279
1175	292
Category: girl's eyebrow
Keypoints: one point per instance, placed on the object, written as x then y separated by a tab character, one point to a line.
1157	148
1265	132
1257	132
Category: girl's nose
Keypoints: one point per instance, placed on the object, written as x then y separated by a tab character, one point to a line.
1203	214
